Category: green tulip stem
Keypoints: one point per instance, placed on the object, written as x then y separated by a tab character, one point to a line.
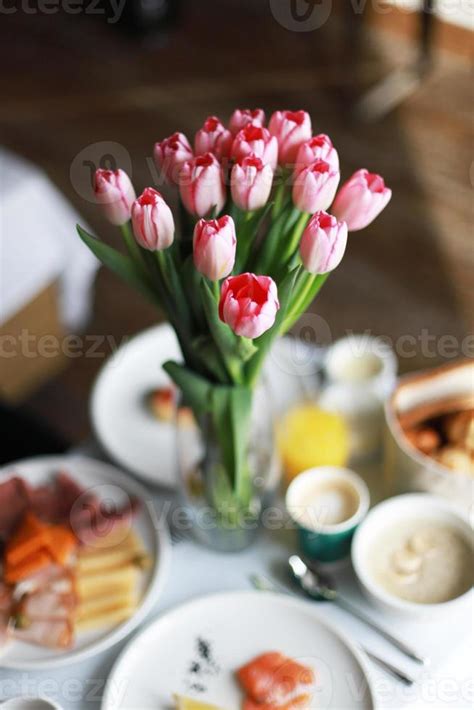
295	238
133	247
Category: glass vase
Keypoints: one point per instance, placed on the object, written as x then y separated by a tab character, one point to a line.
224	495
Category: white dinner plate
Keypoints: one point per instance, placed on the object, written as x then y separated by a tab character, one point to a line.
196	648
135	439
116	486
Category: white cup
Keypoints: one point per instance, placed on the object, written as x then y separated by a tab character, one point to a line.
360	359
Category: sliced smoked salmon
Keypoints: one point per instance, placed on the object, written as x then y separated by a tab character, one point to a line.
272	678
301	702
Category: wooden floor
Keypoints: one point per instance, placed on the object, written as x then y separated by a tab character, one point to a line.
73	81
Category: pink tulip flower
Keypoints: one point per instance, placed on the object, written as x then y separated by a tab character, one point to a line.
170	154
251	183
152	221
323	243
291	128
317	148
214	244
361	199
241	117
201	185
114	191
257	140
314	187
213	137
249	304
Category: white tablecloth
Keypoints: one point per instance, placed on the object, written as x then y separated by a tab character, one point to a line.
447	683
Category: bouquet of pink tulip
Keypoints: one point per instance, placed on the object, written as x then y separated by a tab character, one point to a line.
256	245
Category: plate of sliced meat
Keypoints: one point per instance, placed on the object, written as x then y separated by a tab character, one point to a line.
239	651
82	560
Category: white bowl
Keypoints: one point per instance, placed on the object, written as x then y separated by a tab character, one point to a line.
387	513
406	468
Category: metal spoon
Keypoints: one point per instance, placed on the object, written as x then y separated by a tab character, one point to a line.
265	585
319	585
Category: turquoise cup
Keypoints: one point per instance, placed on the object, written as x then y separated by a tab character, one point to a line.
327	503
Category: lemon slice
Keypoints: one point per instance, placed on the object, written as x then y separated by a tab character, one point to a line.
309	436
183	703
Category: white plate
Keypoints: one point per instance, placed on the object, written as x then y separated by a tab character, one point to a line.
237	626
122	423
133	437
116	486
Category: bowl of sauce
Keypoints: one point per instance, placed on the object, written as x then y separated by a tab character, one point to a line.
414	553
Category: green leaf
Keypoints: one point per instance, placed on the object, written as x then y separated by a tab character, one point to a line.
271	244
303	301
248	229
246	348
231	409
240	415
210	359
120	264
226	341
264	342
191	282
196	389
173	286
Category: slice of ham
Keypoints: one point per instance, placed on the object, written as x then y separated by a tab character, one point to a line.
5	598
55	501
61	501
302	702
273	679
53	578
46	632
14	501
46	604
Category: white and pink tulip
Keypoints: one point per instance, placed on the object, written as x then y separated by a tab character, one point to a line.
202	186
114	192
323	243
251	183
319	147
241	117
170	154
291	129
249	304
314	187
152	221
361	199
258	141
214	138
214	247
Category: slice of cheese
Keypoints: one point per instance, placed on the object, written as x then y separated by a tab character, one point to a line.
183	703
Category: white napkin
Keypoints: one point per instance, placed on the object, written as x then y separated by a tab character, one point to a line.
39	244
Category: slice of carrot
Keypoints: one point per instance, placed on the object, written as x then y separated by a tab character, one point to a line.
60	542
28	539
28	566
